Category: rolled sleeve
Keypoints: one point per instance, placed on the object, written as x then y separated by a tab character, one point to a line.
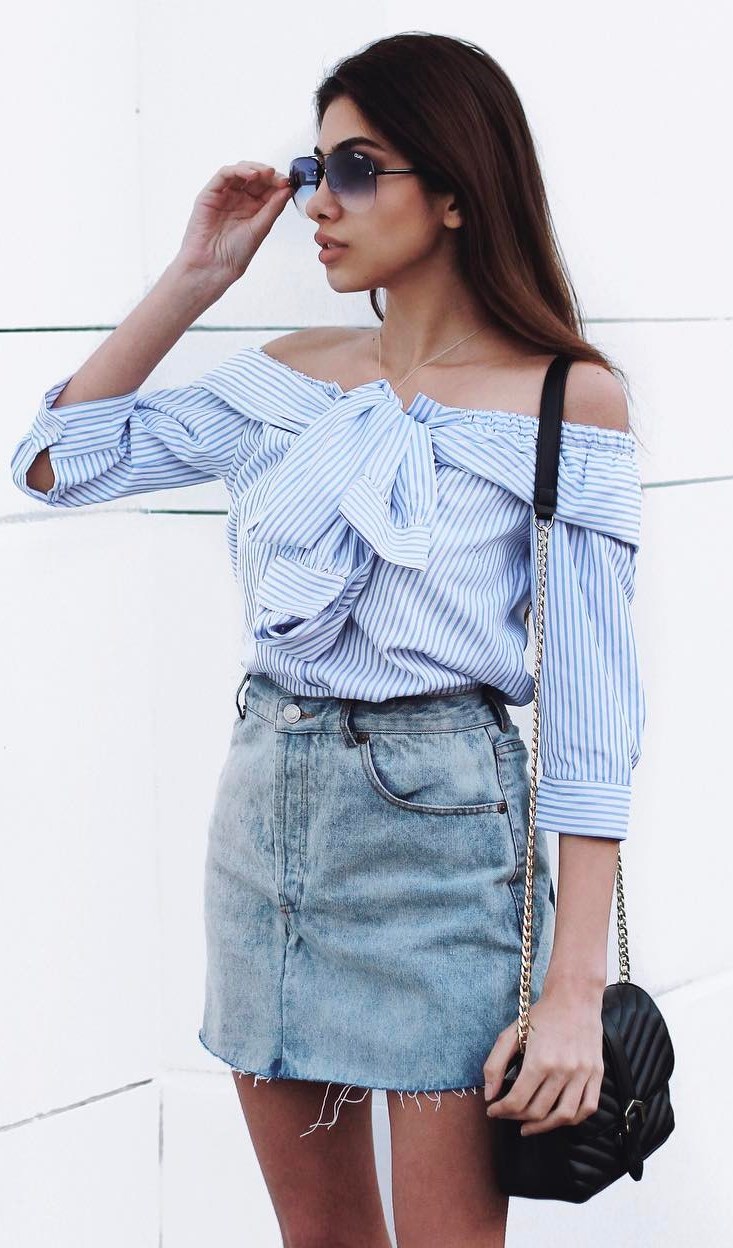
592	701
103	449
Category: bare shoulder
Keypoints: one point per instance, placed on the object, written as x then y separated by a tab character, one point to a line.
304	349
595	396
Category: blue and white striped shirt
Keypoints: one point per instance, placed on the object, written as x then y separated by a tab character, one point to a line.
384	551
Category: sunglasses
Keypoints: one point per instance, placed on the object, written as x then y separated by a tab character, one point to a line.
351	177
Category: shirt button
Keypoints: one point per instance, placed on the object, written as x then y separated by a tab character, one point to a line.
291	713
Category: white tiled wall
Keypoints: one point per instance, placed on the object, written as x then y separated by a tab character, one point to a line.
118	675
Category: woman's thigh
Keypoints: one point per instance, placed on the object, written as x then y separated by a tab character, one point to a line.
444	1188
323	1187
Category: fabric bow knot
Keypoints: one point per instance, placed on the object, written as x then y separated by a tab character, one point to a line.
365	463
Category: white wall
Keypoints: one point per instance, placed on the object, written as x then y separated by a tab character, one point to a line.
115	1127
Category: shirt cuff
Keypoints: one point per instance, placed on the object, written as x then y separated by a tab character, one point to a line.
583	807
93	425
68	431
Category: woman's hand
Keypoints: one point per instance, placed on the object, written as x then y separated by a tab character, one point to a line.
559	1083
231	216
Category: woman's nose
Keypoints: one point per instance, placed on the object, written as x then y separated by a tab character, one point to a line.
322	200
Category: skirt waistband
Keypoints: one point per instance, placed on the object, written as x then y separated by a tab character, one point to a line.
420	712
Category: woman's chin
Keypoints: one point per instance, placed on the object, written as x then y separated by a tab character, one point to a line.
345	277
345	284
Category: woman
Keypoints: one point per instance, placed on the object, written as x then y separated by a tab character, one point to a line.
365	867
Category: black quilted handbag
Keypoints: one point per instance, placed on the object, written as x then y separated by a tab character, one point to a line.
634	1115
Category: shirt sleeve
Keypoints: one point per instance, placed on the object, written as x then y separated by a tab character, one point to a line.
592	700
103	449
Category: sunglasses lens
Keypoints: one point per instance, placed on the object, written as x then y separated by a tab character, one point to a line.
350	177
304	176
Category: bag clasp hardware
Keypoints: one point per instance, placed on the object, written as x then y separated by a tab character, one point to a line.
630	1108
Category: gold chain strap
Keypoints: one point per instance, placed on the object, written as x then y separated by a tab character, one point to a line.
525	979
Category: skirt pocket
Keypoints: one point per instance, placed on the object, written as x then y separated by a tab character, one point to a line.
436	773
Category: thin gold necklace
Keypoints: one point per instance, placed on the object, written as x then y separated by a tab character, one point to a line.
397	384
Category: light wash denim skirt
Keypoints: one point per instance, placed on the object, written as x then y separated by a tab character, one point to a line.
364	890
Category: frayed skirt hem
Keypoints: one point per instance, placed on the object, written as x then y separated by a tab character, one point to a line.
432	1094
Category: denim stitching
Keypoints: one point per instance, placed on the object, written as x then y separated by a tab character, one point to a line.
302	842
511	882
265	719
506	747
442	727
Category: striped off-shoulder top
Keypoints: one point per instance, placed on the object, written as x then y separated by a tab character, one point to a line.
383	550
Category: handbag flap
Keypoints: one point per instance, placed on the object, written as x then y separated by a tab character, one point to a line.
646	1041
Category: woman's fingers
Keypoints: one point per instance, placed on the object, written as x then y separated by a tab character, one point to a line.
245	173
494	1068
232	215
541	1100
561	1114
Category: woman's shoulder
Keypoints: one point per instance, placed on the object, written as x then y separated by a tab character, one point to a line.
309	350
594	396
348	356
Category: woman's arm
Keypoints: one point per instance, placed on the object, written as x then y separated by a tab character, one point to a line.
560	1081
129	354
585	886
231	217
591	721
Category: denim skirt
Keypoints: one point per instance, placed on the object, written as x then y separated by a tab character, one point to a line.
364	890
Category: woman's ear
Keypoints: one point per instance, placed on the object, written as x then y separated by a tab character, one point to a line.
452	216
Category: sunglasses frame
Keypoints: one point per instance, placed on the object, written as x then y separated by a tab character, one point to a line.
323	170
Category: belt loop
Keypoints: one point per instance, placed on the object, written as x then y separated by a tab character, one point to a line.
499	706
245	681
350	737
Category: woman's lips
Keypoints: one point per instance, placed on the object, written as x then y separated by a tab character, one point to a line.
328	254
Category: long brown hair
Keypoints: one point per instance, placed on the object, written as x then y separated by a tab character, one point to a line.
451	110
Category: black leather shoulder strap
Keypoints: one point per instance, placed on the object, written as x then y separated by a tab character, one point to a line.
548	437
629	1132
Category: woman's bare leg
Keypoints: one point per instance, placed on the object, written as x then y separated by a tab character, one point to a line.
323	1187
444	1189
